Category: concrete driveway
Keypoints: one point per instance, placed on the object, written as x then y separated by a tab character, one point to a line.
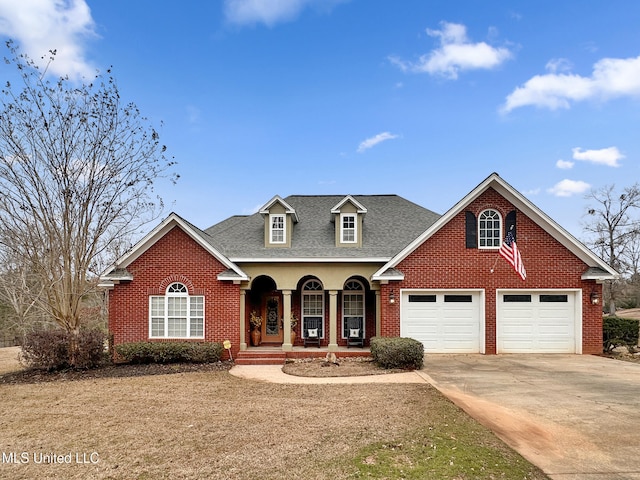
574	416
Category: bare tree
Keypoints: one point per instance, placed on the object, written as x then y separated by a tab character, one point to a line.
613	230
77	170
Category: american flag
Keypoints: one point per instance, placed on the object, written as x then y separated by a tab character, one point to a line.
509	250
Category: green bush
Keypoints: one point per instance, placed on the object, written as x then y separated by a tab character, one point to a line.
618	331
396	352
52	349
170	352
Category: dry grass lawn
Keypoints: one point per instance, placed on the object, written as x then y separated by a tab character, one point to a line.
213	425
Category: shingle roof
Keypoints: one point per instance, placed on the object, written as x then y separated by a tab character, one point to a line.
391	223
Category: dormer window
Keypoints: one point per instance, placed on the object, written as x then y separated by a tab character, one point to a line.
278	228
348	216
279	218
348	224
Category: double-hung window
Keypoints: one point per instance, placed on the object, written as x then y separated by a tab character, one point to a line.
348	231
176	314
277	230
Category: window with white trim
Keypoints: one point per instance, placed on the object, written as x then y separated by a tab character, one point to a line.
489	229
312	307
348	228
176	314
352	307
277	224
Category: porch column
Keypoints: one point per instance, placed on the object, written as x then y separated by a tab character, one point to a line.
287	346
243	298
333	320
378	306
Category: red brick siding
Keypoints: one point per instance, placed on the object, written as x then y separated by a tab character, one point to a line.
444	262
175	257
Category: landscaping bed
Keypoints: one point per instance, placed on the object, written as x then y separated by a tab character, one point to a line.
343	367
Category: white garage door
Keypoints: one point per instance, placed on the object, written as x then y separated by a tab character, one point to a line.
536	322
445	322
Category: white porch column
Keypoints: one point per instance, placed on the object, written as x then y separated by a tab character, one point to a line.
333	320
378	306
243	297
287	346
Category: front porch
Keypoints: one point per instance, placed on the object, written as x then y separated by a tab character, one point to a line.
274	355
282	314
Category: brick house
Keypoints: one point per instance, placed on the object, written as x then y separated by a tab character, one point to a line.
365	265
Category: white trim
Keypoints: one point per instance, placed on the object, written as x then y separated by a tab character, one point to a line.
309	260
264	210
272	216
304	292
160	231
577	303
362	294
500	235
480	292
343	230
359	207
165	316
520	202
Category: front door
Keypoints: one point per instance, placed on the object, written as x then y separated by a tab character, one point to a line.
272	314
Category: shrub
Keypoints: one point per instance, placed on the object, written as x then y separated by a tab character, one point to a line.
618	331
52	349
170	352
396	352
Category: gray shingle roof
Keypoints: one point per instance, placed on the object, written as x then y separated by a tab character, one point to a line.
391	223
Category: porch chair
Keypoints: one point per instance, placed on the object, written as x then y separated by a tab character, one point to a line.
312	332
355	332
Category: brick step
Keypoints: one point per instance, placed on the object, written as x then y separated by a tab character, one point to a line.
259	361
260	357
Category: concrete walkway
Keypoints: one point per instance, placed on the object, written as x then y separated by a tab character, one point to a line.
274	374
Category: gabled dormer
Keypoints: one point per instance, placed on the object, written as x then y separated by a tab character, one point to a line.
279	218
348	216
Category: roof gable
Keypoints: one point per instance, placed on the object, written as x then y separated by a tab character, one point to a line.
349	199
156	234
289	210
526	207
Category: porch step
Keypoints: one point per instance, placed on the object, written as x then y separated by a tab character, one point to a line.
260	357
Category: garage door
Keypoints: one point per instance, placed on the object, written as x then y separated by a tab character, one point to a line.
445	322
536	322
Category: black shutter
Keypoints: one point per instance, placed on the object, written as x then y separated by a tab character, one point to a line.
471	230
510	224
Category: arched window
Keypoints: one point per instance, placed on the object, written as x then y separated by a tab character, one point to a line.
312	307
489	229
176	314
352	307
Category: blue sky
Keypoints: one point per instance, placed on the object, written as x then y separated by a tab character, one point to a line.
420	98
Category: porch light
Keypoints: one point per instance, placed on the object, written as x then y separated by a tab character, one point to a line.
392	297
595	298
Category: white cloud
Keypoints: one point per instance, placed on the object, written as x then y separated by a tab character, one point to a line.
611	78
567	188
373	141
456	54
604	156
270	12
564	164
556	65
42	25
